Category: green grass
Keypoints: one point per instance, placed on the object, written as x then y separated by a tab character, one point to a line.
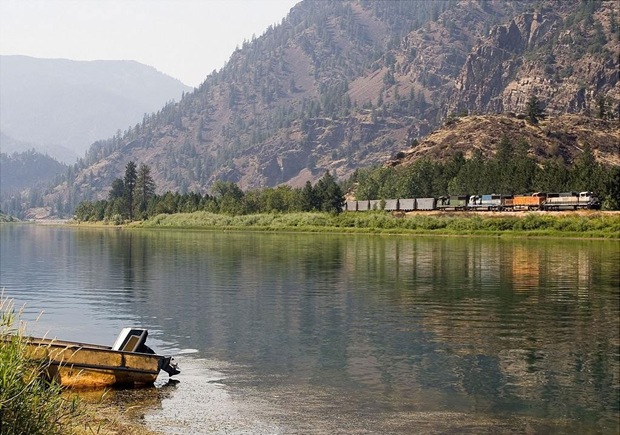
590	225
29	404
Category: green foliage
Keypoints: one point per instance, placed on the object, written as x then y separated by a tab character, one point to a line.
591	225
145	190
29	404
511	171
328	194
130	184
117	190
534	110
228	199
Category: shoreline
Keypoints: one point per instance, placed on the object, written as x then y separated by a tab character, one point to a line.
588	225
579	225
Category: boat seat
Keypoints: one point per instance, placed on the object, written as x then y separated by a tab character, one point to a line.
131	340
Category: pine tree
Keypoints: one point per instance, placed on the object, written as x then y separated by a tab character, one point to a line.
117	190
145	189
534	110
329	194
308	198
130	185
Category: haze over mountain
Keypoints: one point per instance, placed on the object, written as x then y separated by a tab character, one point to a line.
340	85
60	107
27	169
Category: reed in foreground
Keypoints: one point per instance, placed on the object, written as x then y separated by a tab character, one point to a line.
29	403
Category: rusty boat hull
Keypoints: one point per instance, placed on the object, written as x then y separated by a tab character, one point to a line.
80	365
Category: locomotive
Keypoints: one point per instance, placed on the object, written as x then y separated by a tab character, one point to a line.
489	202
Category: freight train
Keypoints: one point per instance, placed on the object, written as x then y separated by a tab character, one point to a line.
492	202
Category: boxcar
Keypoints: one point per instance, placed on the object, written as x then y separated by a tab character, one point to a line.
391	205
350	206
375	204
363	205
426	203
406	204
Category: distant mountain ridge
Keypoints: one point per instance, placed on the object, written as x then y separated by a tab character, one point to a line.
339	85
58	105
27	169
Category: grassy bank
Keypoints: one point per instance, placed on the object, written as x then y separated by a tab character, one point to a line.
582	225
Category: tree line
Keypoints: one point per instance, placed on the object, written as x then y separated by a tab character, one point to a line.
510	171
134	198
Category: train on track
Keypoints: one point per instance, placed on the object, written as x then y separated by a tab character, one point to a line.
491	202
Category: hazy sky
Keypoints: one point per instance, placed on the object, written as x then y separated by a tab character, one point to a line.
186	39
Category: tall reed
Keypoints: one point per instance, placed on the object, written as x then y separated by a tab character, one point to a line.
29	403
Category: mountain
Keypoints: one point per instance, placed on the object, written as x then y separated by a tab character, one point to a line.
28	169
343	84
62	106
8	145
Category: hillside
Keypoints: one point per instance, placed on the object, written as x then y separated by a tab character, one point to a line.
341	85
562	138
28	170
57	105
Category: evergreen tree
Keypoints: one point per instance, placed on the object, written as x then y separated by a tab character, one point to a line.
130	185
309	200
612	199
553	177
145	189
118	189
524	169
329	194
534	110
229	197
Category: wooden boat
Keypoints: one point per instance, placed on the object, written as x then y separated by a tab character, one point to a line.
129	362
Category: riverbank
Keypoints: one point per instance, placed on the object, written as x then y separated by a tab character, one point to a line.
531	224
116	412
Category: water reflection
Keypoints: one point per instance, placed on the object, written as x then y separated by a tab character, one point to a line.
373	328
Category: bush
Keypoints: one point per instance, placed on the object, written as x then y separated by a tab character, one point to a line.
29	404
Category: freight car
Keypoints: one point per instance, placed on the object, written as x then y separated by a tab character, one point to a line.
490	202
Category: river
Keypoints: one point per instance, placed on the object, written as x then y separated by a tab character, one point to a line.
323	333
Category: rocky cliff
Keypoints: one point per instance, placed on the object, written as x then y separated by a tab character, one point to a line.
564	61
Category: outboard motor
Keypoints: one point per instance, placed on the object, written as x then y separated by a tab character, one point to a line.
134	340
170	366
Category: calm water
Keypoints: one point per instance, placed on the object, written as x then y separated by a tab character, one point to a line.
290	333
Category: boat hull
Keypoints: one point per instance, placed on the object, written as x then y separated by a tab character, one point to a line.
80	365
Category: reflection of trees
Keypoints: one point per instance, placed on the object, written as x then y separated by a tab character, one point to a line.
120	257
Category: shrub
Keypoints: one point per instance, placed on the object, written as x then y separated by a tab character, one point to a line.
29	404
